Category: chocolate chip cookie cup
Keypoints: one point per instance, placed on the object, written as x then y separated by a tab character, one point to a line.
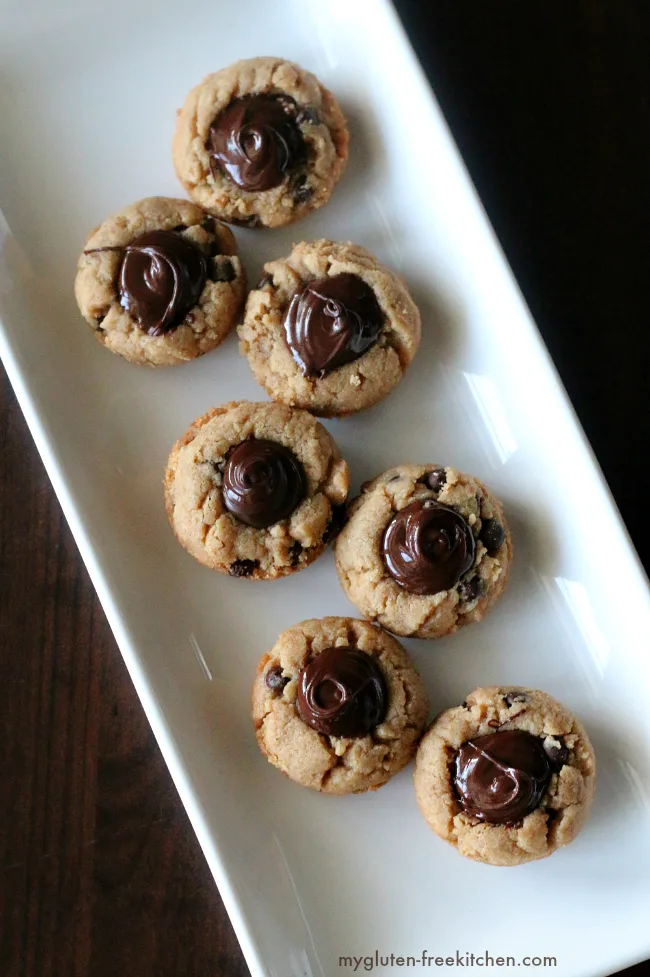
338	705
507	777
329	329
160	282
260	143
254	490
425	550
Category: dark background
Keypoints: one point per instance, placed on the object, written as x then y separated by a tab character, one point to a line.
100	873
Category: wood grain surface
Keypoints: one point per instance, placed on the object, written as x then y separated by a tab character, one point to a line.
100	873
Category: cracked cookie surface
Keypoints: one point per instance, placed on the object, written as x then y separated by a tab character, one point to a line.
349	387
564	806
337	764
310	177
194	491
204	326
362	570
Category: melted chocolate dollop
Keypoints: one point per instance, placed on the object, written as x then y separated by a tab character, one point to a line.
342	692
502	777
263	482
427	547
331	322
255	140
161	278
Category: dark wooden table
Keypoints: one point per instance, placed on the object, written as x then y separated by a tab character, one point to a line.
100	873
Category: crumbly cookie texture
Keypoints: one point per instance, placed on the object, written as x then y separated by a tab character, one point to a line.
323	130
335	764
563	808
216	538
350	387
366	580
204	327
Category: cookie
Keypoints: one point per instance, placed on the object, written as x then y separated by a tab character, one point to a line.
329	329
425	550
254	490
338	705
506	778
160	282
260	143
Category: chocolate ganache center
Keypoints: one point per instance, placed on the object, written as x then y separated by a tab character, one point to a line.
255	141
342	692
332	321
161	278
263	482
502	777
427	547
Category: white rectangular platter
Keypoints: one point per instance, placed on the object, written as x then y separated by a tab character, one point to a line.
88	92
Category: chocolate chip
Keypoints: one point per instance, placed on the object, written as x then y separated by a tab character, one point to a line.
243	568
287	104
209	225
492	535
275	680
179	228
511	719
511	697
294	553
222	271
302	194
436	480
336	523
307	116
469	590
252	221
264	282
463	704
558	755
